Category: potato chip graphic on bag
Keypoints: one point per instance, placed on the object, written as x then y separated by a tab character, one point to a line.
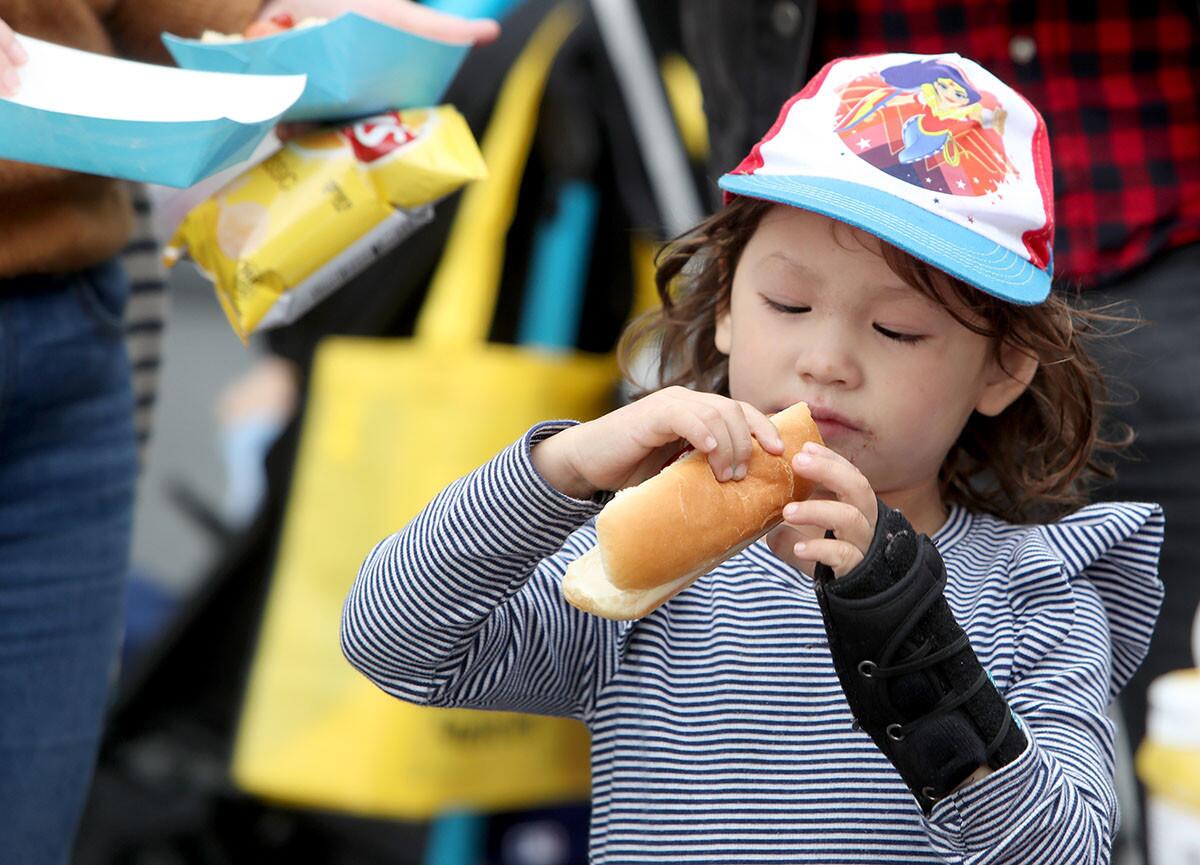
288	232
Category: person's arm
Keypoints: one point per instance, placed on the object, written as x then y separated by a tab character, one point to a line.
1056	802
463	607
1020	778
402	14
137	25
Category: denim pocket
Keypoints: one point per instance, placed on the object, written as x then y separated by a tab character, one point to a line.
104	291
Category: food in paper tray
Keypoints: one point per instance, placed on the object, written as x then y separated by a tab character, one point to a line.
280	23
288	232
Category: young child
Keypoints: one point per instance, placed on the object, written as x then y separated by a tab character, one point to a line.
915	666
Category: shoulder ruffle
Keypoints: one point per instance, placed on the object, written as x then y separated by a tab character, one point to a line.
1115	546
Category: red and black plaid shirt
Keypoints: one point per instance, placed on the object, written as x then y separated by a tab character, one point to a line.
1118	82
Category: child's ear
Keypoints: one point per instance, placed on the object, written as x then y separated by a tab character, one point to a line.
1007	378
723	335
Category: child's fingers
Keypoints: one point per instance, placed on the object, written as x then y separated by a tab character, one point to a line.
706	429
763	429
783	537
727	424
740	435
840	556
722	429
724	458
674	413
692	429
847	522
838	475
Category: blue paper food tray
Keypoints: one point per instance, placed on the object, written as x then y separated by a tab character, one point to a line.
167	126
170	154
356	66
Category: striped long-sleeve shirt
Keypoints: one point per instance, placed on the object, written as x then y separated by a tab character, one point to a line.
719	729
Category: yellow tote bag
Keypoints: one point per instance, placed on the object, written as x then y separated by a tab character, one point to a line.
389	424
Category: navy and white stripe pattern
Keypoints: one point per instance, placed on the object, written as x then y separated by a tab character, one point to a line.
719	730
145	313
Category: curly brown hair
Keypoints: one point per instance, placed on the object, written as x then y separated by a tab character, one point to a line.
1032	463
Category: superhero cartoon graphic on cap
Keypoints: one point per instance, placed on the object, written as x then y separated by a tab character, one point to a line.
926	123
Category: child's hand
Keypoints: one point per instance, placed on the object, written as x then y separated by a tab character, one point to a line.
851	513
626	446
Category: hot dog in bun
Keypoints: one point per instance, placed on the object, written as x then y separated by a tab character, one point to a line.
655	539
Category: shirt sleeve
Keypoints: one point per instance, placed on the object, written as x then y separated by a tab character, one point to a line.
1057	801
464	608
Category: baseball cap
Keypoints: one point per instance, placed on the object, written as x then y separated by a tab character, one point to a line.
931	153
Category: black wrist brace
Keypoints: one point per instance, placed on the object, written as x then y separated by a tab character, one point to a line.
909	673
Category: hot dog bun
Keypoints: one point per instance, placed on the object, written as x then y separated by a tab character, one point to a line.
655	539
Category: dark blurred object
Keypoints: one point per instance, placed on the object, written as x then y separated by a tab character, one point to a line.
750	58
542	836
148	609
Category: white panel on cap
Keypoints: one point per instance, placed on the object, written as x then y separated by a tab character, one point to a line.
808	144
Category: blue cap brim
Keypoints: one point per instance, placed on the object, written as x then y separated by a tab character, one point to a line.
945	244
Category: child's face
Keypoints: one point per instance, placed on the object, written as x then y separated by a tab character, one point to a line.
890	375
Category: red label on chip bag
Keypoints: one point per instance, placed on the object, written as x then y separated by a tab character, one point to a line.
375	138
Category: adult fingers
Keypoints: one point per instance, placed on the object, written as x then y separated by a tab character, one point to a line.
287	131
12	55
442	26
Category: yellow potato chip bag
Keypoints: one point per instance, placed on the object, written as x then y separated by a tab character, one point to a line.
291	230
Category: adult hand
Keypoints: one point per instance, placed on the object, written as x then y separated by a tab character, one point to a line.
401	14
12	55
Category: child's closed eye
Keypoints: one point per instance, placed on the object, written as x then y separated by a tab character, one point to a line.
897	336
784	308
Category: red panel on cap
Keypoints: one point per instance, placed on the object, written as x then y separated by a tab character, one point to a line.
754	160
1039	241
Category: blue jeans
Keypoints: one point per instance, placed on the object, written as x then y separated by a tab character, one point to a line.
67	474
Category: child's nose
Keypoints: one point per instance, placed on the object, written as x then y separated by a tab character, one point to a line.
829	364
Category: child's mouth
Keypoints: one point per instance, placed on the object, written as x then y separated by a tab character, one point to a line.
833	425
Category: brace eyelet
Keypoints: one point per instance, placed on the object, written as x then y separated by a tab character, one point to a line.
895	732
930	794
